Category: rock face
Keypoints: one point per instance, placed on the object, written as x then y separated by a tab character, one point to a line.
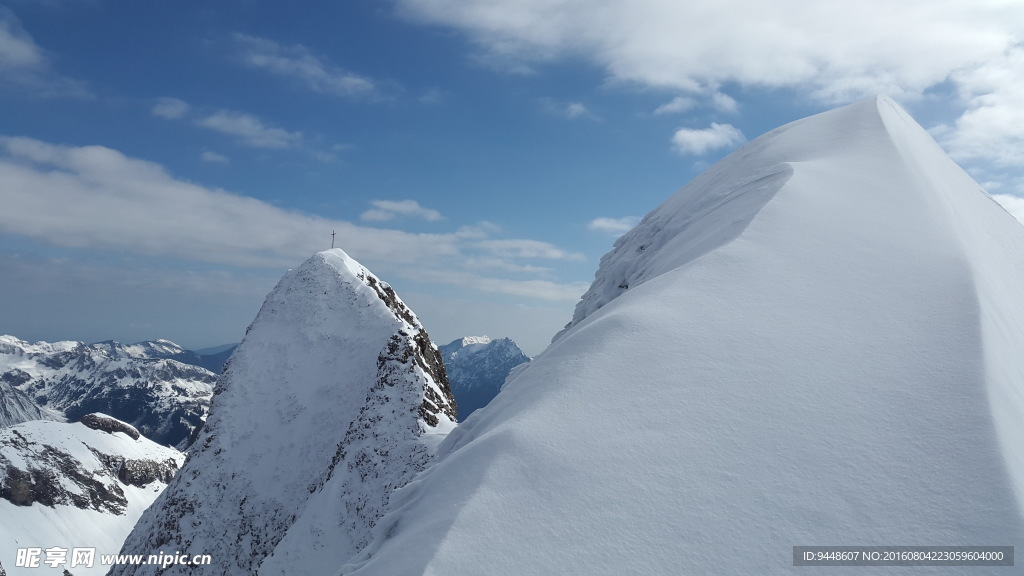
66	484
477	367
164	399
335	398
815	341
98	421
17	407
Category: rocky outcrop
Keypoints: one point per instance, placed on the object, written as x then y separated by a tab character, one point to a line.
44	463
98	421
16	406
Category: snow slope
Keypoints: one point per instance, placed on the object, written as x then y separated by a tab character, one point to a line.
335	397
69	485
817	342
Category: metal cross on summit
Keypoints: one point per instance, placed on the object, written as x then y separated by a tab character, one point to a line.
332	239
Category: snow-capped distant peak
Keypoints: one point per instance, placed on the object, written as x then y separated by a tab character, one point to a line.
468	340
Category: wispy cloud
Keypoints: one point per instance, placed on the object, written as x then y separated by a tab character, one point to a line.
24	64
250	130
615	226
568	110
724	103
532	288
214	158
170	108
385	210
96	198
676	105
517	248
697	142
298	63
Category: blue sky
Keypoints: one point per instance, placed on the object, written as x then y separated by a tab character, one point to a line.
162	164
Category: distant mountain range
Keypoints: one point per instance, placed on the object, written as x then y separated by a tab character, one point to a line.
477	367
142	384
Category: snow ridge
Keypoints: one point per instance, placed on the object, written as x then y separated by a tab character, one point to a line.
817	341
335	397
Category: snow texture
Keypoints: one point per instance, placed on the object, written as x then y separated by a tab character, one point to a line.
69	485
335	398
816	342
138	383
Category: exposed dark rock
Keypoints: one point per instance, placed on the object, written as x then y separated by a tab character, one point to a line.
98	421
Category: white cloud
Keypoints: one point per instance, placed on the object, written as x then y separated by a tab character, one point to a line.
724	103
213	157
518	248
833	50
250	130
992	127
1013	204
95	198
170	108
385	210
616	226
697	142
297	62
835	46
540	289
17	49
25	65
676	105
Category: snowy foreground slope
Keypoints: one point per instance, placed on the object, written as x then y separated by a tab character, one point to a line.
80	485
335	397
820	341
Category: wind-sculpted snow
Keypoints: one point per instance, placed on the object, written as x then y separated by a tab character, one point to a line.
335	398
818	342
165	399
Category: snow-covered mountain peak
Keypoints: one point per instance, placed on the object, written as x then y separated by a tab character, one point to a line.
335	397
813	342
469	340
718	205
